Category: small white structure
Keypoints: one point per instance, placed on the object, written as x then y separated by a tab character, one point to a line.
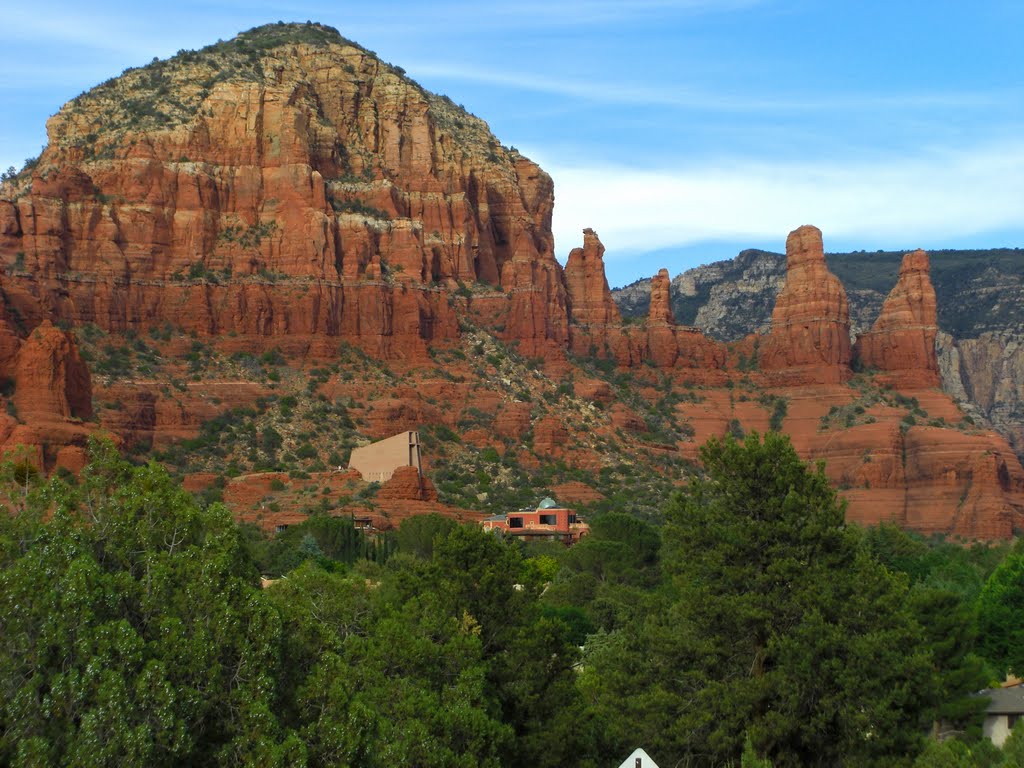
639	759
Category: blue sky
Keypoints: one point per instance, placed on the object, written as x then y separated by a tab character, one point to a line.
681	130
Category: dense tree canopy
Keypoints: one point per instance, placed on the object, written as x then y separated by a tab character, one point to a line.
132	631
780	626
754	628
1001	616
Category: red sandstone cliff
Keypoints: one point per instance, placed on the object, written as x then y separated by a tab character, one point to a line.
303	192
51	381
590	301
810	336
297	192
902	339
598	328
52	395
661	300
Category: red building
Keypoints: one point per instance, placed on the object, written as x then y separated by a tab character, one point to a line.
547	522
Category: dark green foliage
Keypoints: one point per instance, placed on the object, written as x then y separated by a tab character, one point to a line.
957	754
609	574
753	629
383	681
122	361
360	207
531	657
936	563
781	626
331	542
133	630
416	535
958	671
779	407
1001	616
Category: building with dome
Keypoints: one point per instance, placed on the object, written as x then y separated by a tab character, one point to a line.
548	522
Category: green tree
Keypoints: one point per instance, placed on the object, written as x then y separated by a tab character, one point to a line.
1013	747
950	635
530	656
782	626
132	632
610	573
416	534
377	682
749	758
954	753
1001	616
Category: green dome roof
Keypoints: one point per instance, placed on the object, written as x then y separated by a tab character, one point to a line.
547	503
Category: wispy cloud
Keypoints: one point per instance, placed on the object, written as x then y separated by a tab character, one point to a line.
681	96
921	199
584	12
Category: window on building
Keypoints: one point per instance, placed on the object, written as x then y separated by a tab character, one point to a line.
515	522
549	519
572	518
280	528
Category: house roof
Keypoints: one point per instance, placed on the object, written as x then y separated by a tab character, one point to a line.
547	503
1005	701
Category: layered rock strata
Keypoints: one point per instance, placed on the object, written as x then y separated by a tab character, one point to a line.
304	191
902	340
52	395
597	329
809	341
590	300
287	189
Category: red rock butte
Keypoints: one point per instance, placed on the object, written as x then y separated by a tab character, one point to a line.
304	194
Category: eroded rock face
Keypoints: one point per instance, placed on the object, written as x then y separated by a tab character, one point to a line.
986	375
51	381
408	484
316	193
590	300
302	194
810	336
661	301
52	394
902	339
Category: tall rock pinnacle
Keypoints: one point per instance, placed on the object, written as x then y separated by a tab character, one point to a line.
902	340
661	299
589	297
810	336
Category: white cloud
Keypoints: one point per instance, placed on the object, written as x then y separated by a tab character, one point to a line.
583	12
682	96
904	201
